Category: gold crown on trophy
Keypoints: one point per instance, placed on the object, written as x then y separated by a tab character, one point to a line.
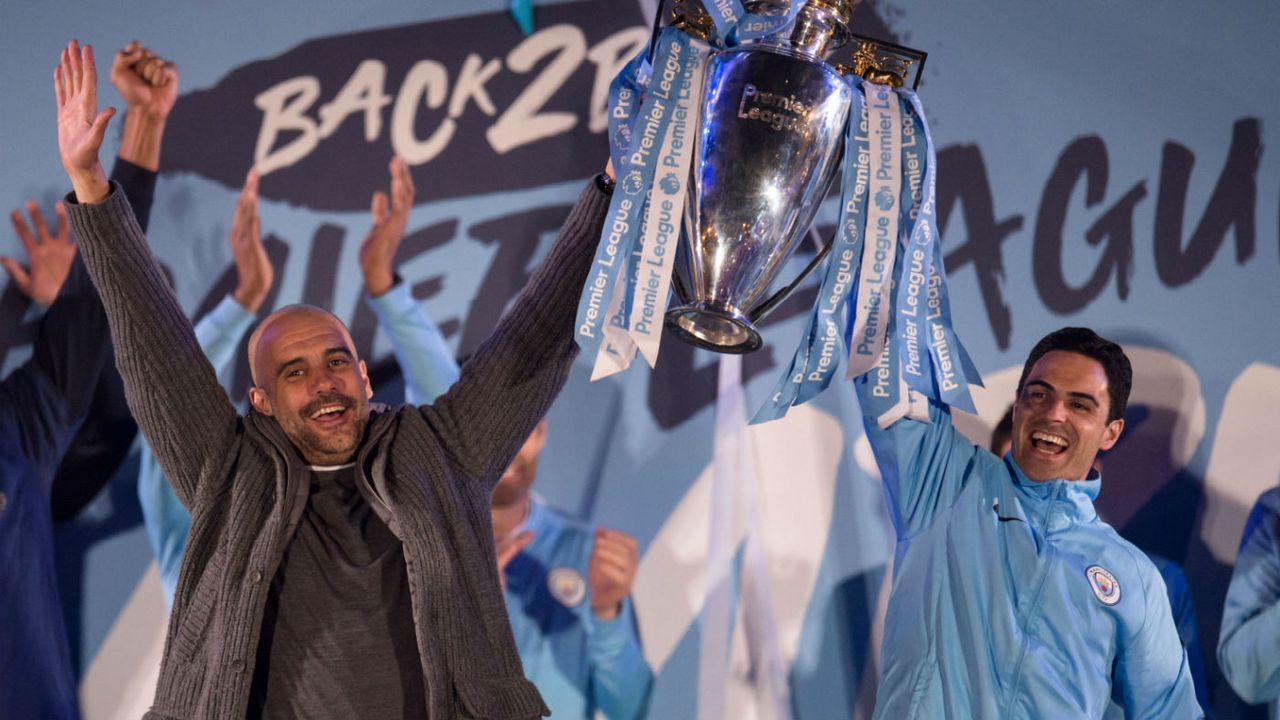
878	64
691	17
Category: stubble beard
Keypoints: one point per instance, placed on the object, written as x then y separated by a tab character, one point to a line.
330	448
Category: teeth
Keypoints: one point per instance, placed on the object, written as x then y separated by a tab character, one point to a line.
327	411
1046	437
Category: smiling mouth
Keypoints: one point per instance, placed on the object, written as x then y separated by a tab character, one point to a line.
328	412
1049	443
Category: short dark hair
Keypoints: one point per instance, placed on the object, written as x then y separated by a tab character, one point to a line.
1084	341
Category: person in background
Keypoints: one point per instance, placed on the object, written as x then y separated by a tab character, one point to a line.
1249	644
568	589
1181	603
42	403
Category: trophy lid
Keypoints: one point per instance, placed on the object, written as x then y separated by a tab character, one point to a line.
843	9
820	26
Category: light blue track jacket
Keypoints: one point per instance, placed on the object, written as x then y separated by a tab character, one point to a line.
1249	644
1010	598
419	348
580	663
1184	620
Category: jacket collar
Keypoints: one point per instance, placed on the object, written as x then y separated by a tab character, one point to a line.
293	485
1036	500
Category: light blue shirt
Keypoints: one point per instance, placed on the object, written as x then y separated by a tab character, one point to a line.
1249	645
1010	598
424	357
1184	619
580	663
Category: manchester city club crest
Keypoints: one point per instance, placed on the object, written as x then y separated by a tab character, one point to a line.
566	586
1105	586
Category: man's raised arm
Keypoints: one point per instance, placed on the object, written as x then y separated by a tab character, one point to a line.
921	463
44	399
514	375
171	388
219	333
424	358
149	86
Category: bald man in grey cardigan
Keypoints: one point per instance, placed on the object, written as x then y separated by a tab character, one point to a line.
340	561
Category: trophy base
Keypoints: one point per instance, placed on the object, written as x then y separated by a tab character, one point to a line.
722	330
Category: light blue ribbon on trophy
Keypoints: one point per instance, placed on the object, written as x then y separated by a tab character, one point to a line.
808	374
677	81
626	93
644	131
872	309
888	397
953	369
827	345
917	259
734	24
788	386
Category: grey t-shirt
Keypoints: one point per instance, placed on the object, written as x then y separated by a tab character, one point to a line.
337	635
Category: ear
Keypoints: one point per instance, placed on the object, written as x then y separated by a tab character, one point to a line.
1111	434
538	438
258	398
364	376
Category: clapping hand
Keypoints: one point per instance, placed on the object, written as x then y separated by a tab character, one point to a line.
378	249
49	254
253	268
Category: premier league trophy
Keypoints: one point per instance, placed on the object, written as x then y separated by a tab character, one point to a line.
732	127
772	130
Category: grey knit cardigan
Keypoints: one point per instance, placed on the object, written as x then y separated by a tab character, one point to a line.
427	470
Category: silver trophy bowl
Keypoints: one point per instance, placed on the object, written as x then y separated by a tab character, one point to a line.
769	143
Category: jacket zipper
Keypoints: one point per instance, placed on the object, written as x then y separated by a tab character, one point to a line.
1024	621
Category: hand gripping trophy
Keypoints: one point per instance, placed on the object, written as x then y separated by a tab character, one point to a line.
733	128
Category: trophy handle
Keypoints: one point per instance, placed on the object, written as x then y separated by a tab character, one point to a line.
763	309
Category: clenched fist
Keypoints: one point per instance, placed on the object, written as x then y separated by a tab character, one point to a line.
611	571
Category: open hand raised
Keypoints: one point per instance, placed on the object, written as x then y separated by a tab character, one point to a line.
81	126
49	254
253	268
378	249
